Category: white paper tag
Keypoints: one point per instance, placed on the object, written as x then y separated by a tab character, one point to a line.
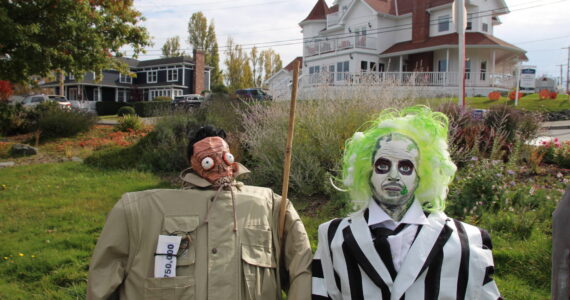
165	257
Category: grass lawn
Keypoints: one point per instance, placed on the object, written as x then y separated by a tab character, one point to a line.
530	102
51	217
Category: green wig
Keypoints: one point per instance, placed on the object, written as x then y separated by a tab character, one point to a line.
435	169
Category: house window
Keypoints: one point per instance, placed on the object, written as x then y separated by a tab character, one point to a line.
121	96
483	75
443	23
125	79
96	94
442	65
151	76
172	75
331	74
373	67
364	66
71	77
342	70
485	27
467	69
469	22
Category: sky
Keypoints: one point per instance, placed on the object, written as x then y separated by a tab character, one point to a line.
541	27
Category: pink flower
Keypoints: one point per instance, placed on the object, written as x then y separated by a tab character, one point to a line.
556	139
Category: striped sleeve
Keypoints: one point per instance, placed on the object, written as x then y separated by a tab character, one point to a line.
489	290
319	289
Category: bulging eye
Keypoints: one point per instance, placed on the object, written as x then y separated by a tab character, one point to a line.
405	167
382	166
228	158
207	163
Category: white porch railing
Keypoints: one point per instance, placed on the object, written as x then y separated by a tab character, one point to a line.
443	79
338	44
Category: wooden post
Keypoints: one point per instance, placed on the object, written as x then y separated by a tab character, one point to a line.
288	153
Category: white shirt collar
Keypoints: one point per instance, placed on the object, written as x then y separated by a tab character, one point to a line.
414	215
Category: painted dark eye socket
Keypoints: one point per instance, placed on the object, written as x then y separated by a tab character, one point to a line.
405	167
382	166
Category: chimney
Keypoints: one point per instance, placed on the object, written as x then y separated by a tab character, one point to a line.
420	21
199	63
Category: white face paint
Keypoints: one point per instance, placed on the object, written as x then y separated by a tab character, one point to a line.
394	178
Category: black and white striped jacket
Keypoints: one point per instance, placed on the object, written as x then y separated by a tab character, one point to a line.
447	260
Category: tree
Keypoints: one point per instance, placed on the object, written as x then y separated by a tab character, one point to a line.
236	62
68	35
271	62
6	90
171	47
255	60
203	37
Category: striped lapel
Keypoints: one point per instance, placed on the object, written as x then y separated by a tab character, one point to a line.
430	241
358	239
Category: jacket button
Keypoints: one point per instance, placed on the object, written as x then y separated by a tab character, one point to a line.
214	250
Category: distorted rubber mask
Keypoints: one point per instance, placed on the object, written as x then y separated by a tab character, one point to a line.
213	161
394	178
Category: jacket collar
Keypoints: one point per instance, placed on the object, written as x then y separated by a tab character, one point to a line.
430	240
194	180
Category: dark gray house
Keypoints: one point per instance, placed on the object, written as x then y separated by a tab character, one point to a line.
170	77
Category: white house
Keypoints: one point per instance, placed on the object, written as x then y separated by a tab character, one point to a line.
407	43
279	84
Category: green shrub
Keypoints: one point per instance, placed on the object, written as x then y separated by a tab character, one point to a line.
162	150
153	108
220	89
13	119
129	122
56	123
126	110
106	108
162	98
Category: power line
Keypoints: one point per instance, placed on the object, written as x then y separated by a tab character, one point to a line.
378	30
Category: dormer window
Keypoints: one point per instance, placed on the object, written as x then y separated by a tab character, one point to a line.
469	22
485	27
443	23
125	79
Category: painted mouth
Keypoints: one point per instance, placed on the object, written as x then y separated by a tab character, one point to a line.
393	188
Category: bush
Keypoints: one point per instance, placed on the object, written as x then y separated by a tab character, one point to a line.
220	88
126	110
544	94
162	150
153	108
553	95
162	98
510	122
494	96
105	108
56	123
129	122
512	95
13	119
322	127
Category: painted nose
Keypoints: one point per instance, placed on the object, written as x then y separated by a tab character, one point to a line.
393	175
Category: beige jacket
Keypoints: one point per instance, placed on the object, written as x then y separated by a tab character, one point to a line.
218	264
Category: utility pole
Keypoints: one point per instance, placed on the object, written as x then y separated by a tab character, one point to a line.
561	78
568	72
460	18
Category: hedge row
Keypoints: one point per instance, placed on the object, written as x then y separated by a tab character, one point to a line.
143	109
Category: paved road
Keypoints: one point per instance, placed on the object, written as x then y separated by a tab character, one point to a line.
558	129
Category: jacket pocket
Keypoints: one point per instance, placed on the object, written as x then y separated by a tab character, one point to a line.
185	227
181	287
258	264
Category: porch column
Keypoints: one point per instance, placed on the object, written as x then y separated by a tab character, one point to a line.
116	94
493	58
401	67
446	66
98	94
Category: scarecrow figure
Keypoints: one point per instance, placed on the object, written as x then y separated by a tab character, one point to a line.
399	244
215	239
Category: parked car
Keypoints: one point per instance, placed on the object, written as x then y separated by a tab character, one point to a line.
34	100
187	101
253	94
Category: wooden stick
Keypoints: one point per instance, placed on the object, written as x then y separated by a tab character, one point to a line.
288	153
